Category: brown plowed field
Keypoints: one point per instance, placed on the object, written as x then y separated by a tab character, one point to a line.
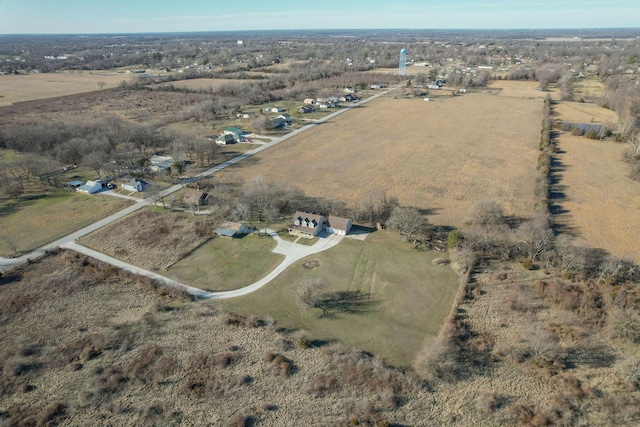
443	156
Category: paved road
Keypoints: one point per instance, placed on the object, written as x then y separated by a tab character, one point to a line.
69	241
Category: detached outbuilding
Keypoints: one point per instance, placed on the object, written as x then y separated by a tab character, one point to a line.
232	229
92	187
338	225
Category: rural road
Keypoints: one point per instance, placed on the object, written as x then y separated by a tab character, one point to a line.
69	241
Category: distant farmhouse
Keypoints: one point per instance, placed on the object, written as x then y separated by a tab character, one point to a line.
135	185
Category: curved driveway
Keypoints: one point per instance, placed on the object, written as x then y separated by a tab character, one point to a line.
292	252
69	241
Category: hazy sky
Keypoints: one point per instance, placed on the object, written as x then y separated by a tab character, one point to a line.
134	16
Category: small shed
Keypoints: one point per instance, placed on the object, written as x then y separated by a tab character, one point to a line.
74	184
226	139
232	229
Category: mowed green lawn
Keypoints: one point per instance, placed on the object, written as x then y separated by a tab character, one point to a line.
224	264
34	220
406	298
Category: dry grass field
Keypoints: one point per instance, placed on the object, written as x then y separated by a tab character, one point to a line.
588	88
83	342
32	221
443	157
155	239
517	89
601	203
201	84
579	112
20	88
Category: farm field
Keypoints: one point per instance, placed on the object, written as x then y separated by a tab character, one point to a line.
580	112
224	264
399	297
32	221
20	88
601	205
517	89
420	153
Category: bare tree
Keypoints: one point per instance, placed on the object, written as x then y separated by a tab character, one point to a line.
486	215
535	236
408	222
309	293
95	160
260	196
376	207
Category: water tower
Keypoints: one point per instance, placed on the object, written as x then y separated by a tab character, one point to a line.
403	62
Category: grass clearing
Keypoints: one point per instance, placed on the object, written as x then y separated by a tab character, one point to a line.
224	264
406	298
37	219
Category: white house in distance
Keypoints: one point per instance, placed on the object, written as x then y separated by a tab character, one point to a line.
135	185
92	187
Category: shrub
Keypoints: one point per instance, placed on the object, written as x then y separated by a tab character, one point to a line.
437	360
50	413
455	238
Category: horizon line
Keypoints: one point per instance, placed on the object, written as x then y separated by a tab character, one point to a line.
329	30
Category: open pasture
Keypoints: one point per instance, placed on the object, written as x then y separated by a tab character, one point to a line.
601	205
39	218
20	88
579	112
439	156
